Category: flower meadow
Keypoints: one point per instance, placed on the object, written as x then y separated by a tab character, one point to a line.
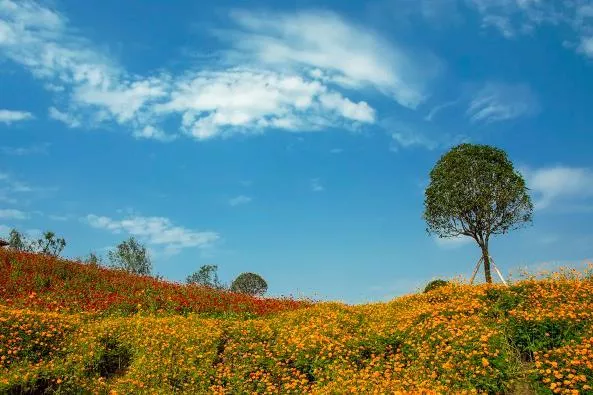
44	283
535	336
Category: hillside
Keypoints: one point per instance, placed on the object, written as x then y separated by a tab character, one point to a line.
48	284
533	337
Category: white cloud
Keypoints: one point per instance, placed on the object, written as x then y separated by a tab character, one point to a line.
560	184
12	214
156	231
316	185
514	17
10	116
11	189
452	242
333	49
96	88
287	73
63	117
239	200
360	111
406	139
150	132
436	109
501	102
125	99
586	46
238	100
418	134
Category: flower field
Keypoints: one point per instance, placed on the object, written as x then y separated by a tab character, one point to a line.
534	337
44	283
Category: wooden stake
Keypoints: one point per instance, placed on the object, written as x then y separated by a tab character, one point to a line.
480	261
475	271
498	272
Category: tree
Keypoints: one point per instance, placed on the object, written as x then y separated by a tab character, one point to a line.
49	244
131	256
206	276
475	191
17	241
249	283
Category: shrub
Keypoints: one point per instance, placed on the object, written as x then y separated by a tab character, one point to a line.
434	284
249	283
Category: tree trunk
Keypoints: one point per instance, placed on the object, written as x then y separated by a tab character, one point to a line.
486	257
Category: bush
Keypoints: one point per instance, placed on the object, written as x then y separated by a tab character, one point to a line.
434	284
249	283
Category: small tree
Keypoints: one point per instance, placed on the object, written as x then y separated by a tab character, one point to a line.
131	256
249	283
475	191
17	241
49	244
93	259
206	276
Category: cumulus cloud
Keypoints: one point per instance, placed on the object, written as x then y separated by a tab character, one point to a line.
496	102
240	100
156	231
559	184
10	116
240	200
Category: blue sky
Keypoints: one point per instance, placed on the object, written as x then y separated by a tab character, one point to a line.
292	139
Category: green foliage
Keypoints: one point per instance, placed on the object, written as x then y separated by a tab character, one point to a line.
49	244
17	241
502	301
249	283
131	256
529	336
206	276
434	284
475	191
114	359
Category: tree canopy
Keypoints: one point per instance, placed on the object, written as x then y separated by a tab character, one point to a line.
249	283
131	256
475	191
48	244
206	276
